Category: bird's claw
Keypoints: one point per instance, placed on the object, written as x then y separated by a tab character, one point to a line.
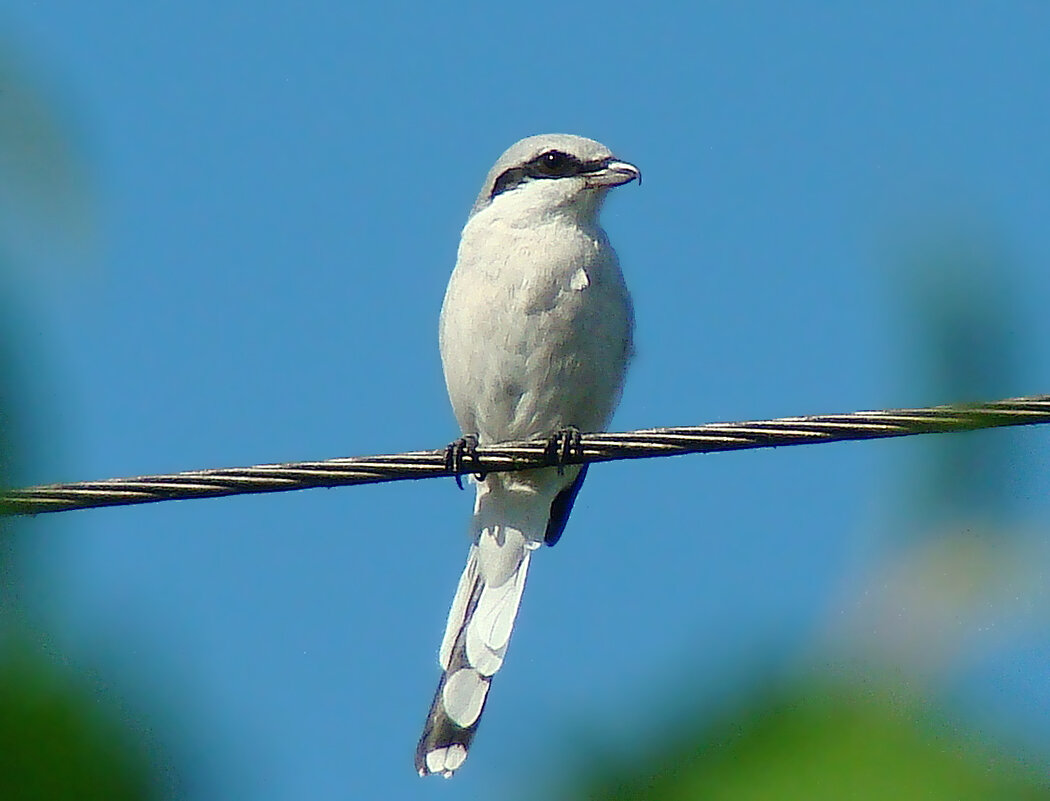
456	454
564	444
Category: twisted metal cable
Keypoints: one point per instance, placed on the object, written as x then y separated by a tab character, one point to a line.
641	444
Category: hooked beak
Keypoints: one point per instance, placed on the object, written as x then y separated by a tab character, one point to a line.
614	173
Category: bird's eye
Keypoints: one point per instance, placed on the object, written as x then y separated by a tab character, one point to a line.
554	161
555	164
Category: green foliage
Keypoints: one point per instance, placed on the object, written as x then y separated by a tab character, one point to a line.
59	741
58	738
820	741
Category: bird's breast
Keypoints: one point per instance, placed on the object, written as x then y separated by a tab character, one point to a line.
535	330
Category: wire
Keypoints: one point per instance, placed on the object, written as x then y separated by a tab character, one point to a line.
641	444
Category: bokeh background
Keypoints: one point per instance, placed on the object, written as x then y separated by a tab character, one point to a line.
225	231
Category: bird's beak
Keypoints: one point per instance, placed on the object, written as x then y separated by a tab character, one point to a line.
613	174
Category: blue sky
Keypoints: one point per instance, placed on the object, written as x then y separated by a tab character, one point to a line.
276	194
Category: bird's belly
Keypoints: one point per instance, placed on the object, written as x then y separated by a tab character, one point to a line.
523	364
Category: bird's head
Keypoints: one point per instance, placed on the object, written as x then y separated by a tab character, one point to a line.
552	172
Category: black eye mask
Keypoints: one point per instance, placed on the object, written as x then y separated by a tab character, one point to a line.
550	164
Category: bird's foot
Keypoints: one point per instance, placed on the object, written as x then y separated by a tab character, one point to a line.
563	445
456	454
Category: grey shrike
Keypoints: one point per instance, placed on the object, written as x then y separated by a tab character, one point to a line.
535	338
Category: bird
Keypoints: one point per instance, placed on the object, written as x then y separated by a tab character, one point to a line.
535	336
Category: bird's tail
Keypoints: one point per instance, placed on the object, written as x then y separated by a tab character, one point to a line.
476	637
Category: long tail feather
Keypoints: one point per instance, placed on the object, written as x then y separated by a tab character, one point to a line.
475	643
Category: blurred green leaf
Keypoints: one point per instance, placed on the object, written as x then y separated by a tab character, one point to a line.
819	740
60	738
60	741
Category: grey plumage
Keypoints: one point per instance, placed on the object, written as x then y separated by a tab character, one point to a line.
535	337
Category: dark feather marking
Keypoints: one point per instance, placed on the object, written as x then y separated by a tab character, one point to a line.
439	730
561	506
